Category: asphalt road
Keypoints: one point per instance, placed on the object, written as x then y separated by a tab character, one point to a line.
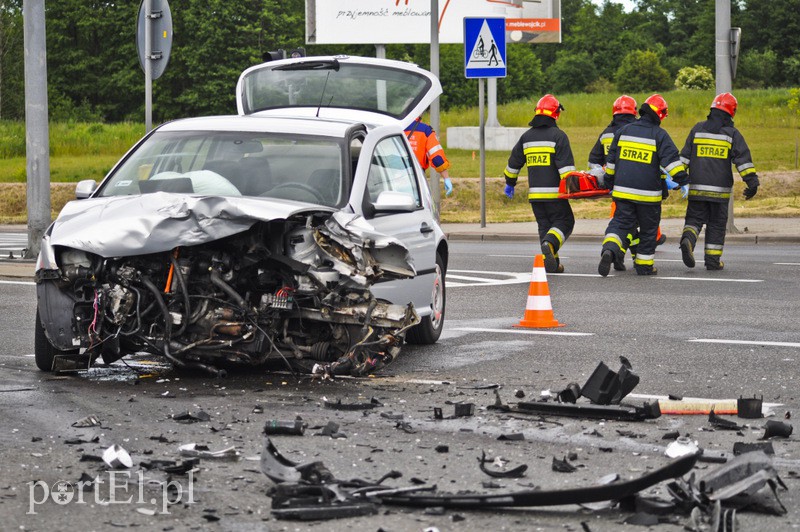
692	333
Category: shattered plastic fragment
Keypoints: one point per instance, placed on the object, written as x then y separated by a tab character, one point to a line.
464	409
776	429
741	447
116	457
750	408
683	446
338	405
606	387
722	423
517	472
202	451
88	421
562	466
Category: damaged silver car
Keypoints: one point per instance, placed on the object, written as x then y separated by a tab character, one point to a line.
299	233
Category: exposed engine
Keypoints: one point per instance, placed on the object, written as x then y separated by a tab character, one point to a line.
294	292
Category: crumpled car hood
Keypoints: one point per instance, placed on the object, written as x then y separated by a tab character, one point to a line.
152	223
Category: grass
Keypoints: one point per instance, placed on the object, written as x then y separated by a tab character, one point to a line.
88	150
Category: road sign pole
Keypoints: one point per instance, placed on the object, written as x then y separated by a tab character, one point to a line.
433	180
482	147
148	66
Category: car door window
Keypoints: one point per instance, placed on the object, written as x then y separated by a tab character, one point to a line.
392	168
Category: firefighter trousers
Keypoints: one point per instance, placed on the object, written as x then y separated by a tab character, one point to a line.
627	216
555	221
714	215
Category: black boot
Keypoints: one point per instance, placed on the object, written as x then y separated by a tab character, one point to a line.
687	252
646	270
606	258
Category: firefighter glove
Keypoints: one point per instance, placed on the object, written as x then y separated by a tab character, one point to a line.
749	192
672	185
448	186
608	181
684	191
509	191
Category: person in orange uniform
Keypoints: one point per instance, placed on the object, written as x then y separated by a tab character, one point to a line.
429	151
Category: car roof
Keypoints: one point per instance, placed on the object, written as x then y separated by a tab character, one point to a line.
264	124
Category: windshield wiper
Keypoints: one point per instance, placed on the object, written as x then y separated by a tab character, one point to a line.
332	64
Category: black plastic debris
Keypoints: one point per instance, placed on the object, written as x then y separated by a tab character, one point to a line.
517	472
392	417
316	502
562	466
671	435
405	426
161	439
479	387
741	447
570	394
514	436
188	417
776	429
464	409
438	413
442	449
339	405
86	482
615	412
275	427
173	467
519	394
81	441
541	497
90	458
605	387
749	408
722	423
280	469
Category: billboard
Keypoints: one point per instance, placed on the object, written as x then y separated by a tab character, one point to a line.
408	21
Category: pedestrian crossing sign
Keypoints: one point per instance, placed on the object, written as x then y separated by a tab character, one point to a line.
484	47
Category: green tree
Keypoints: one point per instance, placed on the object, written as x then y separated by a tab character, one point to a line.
641	71
570	73
697	77
772	25
12	90
524	78
758	69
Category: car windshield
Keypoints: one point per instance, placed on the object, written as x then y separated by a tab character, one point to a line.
293	167
369	88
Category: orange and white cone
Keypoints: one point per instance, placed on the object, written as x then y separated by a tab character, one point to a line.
539	309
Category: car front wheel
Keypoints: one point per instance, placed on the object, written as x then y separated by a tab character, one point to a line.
43	350
430	328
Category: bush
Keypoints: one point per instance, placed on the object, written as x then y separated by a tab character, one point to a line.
570	73
757	69
641	71
600	86
697	78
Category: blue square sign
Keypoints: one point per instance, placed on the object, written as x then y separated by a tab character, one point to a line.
484	47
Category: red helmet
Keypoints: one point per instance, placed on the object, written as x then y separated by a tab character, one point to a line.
658	104
727	102
624	105
548	105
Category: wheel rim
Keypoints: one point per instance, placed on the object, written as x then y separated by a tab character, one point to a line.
438	299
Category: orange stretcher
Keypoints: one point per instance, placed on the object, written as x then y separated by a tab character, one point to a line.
580	185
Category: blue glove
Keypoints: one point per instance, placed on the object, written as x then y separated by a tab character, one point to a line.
448	186
684	191
509	191
672	185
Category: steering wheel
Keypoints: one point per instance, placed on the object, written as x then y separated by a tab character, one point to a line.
300	187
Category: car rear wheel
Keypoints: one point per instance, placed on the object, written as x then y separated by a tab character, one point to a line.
43	350
430	328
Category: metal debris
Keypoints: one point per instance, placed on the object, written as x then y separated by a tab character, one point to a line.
202	451
339	405
88	421
287	428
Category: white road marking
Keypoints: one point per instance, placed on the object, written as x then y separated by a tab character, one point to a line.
744	342
714	280
521	331
786	263
30	283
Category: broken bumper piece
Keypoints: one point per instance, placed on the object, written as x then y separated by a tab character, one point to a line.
615	412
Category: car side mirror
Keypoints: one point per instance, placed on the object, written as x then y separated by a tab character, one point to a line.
391	201
85	188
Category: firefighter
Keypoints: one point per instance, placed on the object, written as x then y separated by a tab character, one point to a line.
624	112
636	156
545	152
711	148
429	151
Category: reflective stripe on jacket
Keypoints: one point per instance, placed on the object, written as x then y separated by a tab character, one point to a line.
635	158
426	146
546	153
709	156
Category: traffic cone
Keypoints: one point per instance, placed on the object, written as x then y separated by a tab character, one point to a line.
539	309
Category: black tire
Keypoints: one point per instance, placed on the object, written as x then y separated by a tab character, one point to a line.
43	350
430	328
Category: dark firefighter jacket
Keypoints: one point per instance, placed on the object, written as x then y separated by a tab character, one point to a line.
597	157
710	148
545	151
636	156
